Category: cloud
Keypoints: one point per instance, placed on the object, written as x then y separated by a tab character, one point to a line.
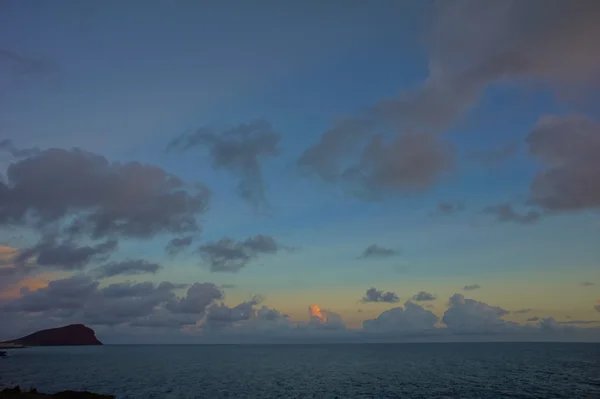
471	287
322	158
122	303
228	255
374	295
240	151
522	311
448	208
376	251
587	284
245	320
178	244
323	319
411	163
64	255
8	146
597	307
126	268
533	318
80	299
199	297
424	296
65	294
547	41
493	156
569	148
104	198
412	319
550	324
220	315
542	41
467	316
505	213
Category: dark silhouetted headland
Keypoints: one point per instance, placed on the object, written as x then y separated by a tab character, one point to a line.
71	335
16	393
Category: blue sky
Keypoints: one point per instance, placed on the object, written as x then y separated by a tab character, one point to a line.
123	80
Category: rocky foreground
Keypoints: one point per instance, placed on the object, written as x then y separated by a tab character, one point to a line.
17	393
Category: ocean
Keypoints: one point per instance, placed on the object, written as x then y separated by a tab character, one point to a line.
437	370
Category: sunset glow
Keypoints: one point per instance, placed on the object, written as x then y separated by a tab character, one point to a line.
315	311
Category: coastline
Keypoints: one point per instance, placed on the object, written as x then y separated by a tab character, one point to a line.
17	393
8	345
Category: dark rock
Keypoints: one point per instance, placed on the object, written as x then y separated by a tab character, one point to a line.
74	334
16	393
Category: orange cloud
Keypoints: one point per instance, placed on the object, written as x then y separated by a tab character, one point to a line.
32	283
315	311
6	250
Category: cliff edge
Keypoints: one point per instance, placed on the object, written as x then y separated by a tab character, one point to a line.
74	334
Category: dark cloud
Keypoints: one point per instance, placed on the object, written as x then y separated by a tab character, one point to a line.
64	255
505	213
448	208
244	319
412	319
533	318
323	157
127	268
569	148
122	303
471	287
66	294
199	297
547	41
587	284
521	311
424	296
8	146
178	244
228	255
80	299
470	316
376	251
220	315
493	156
129	199
239	150
411	163
375	295
265	313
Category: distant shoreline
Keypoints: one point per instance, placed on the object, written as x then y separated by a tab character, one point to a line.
9	345
16	393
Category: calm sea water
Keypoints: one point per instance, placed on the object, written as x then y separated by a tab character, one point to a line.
494	370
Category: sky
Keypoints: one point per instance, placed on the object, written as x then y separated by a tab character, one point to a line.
197	172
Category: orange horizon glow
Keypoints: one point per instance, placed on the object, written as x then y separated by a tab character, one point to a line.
31	283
